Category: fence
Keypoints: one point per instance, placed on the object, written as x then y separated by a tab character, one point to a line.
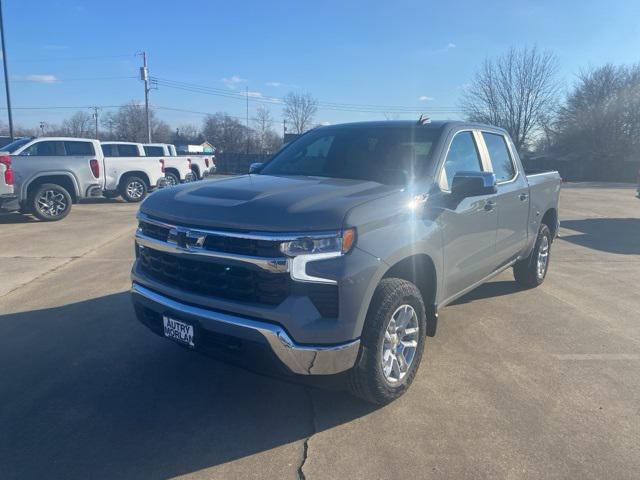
234	163
582	171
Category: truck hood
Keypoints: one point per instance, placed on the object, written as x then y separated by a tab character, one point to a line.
264	203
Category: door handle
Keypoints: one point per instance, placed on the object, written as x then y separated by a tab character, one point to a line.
489	204
523	196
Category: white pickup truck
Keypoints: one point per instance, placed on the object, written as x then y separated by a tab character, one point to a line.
201	165
176	169
51	173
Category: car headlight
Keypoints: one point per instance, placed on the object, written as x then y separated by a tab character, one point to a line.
341	243
311	249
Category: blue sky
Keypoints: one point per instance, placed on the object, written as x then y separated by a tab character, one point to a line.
417	54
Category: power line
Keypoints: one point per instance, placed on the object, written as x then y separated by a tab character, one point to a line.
64	59
348	107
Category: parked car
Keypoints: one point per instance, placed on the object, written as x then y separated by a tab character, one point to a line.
129	173
8	198
51	173
337	254
176	169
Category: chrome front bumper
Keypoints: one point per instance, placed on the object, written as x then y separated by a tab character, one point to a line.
299	359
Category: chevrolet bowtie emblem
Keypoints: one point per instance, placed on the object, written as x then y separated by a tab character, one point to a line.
185	238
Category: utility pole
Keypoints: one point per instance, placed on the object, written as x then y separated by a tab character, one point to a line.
95	117
247	95
144	76
6	73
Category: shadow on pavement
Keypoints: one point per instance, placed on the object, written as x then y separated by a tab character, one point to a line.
488	290
613	235
87	392
14	218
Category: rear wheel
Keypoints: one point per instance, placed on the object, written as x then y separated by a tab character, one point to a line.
531	271
392	343
172	179
50	202
133	189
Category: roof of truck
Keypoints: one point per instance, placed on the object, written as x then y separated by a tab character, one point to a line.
413	123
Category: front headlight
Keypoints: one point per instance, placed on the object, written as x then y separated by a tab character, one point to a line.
339	243
301	251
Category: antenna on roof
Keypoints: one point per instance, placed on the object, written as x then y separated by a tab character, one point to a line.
423	120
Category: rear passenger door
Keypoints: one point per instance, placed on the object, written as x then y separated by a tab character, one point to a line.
469	224
512	199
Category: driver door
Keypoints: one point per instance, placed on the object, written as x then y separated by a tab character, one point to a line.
469	225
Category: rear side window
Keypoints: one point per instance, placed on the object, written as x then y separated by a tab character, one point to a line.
79	148
108	150
463	156
154	151
500	158
47	148
125	150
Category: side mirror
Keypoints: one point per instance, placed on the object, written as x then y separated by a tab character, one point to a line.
473	184
255	167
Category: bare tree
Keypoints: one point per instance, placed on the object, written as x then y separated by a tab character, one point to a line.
299	109
599	123
268	140
128	123
228	134
188	134
515	91
80	124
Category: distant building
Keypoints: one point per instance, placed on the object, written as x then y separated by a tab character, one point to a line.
204	148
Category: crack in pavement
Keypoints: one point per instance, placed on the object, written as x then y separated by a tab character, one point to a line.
305	451
64	264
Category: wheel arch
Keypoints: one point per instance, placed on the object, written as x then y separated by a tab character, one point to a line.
66	180
134	173
550	219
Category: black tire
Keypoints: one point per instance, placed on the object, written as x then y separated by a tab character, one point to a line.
133	189
526	271
367	379
50	202
172	179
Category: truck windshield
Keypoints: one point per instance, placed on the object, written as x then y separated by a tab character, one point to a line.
380	153
15	145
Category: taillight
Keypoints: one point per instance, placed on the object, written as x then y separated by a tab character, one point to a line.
162	165
95	168
206	162
8	172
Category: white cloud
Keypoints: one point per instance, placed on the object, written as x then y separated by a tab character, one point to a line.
233	81
424	98
273	84
38	78
253	94
451	45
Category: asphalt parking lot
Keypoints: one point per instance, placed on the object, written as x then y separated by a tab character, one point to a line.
542	383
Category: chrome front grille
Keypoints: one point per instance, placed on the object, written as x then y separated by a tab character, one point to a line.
235	266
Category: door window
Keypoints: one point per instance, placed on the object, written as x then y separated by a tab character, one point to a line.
47	148
500	158
463	156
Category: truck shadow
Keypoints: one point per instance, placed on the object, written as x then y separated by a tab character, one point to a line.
613	235
87	392
495	288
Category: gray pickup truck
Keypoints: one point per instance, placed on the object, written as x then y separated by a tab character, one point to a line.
336	255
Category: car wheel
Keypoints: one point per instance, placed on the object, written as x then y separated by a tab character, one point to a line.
392	343
50	202
133	189
172	179
531	271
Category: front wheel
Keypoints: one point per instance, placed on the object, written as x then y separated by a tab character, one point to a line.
50	202
392	343
531	271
